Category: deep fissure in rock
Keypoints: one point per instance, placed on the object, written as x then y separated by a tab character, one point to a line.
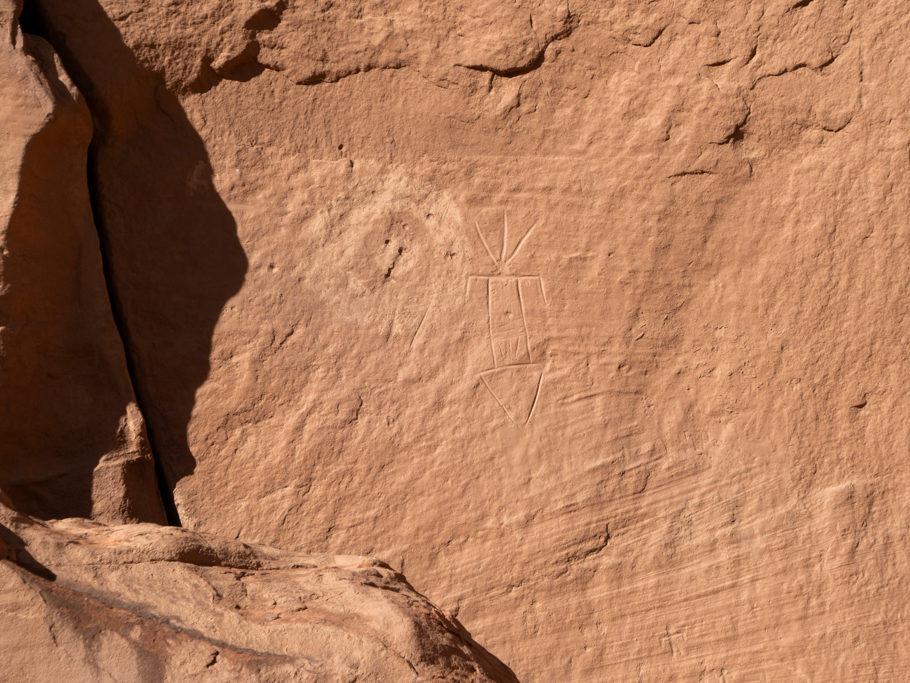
32	22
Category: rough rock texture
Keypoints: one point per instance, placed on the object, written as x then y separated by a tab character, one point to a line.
80	601
72	440
590	316
84	601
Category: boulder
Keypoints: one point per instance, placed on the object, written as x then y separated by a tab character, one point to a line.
84	601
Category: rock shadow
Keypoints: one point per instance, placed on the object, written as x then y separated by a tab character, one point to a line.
12	548
65	449
172	256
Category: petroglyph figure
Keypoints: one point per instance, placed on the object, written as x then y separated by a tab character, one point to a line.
515	379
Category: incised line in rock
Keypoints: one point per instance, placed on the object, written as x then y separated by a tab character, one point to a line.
515	379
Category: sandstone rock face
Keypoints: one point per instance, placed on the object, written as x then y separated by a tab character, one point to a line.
83	601
80	601
72	440
591	317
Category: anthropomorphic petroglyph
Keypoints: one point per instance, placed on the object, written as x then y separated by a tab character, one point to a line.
515	379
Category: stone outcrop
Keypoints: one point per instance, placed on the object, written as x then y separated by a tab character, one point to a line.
83	601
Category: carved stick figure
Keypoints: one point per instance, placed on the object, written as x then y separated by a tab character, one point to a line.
515	379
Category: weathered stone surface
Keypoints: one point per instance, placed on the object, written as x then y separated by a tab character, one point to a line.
81	601
72	441
675	448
